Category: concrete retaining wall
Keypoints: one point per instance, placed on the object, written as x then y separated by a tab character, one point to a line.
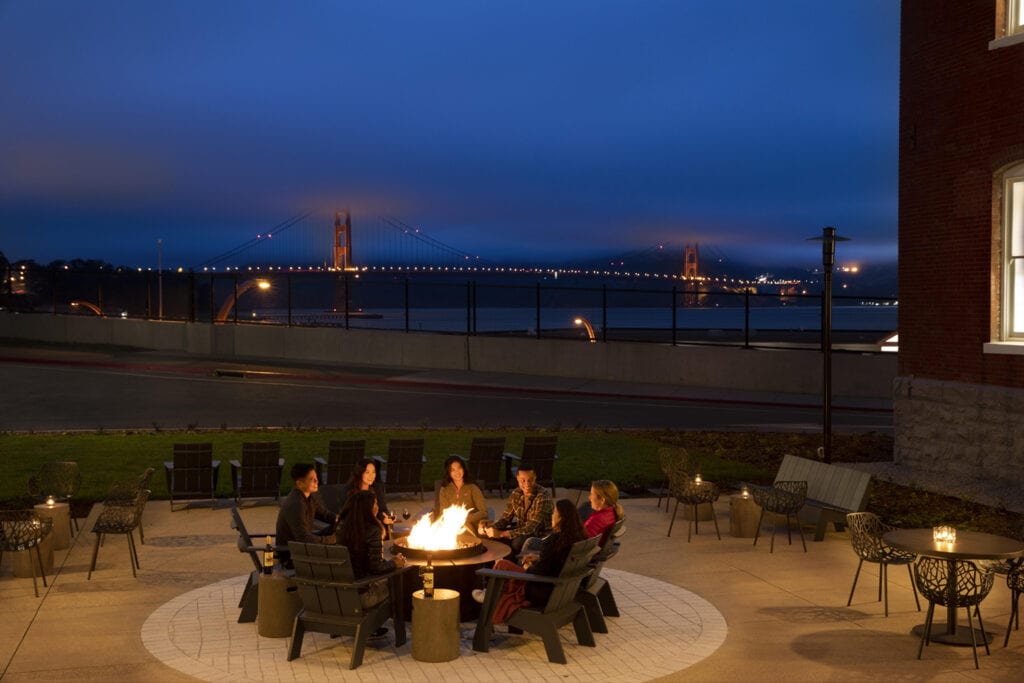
959	431
784	371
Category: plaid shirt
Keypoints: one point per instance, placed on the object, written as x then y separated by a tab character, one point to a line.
532	516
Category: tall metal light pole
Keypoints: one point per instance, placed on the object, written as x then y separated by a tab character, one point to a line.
828	241
160	278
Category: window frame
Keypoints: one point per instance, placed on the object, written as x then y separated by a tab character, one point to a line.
1010	264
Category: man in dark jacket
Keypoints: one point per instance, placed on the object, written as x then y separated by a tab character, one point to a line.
298	510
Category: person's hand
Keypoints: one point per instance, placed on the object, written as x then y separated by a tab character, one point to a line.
400	560
530	559
490	532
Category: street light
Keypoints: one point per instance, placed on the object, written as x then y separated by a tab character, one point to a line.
589	328
222	314
828	241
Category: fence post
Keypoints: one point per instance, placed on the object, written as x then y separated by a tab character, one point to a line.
674	313
288	286
406	304
746	318
191	296
538	310
604	312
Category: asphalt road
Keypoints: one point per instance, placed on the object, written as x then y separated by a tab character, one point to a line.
47	395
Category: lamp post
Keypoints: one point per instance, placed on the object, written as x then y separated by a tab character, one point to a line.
160	278
88	304
590	329
222	314
828	241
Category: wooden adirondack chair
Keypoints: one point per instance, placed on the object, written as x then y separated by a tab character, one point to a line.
595	593
249	603
541	452
484	465
404	466
562	607
259	473
331	602
342	457
193	472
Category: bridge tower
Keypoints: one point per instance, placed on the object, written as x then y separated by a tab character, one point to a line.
690	261
342	241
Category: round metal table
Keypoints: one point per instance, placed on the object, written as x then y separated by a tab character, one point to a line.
969	545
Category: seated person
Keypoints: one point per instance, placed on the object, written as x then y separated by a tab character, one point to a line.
364	478
599	515
527	514
298	510
363	534
457	491
567	530
605	510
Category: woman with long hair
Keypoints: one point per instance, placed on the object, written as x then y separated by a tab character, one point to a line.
365	478
605	509
457	491
567	529
363	534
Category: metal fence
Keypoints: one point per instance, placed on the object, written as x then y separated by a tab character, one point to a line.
688	312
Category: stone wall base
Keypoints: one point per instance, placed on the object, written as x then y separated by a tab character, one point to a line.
956	431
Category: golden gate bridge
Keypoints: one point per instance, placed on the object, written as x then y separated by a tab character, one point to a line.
315	241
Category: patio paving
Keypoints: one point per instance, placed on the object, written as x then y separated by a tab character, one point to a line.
707	610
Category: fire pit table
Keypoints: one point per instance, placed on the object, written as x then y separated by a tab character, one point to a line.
453	568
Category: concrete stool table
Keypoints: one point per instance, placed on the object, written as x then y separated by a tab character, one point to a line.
435	626
60	513
22	561
744	514
278	606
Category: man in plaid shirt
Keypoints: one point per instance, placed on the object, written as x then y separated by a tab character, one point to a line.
527	514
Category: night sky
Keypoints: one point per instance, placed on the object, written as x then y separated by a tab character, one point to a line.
552	129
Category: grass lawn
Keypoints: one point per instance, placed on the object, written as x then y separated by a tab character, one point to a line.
629	458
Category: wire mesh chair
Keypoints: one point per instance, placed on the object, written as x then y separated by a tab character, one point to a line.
120	516
1015	582
60	480
866	531
783	498
125	493
953	584
25	530
669	460
692	494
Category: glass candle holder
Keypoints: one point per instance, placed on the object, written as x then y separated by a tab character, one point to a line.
943	534
697	479
744	493
50	501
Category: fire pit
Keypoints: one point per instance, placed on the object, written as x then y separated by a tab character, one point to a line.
444	539
463	548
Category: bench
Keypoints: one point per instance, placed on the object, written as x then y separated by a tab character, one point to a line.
832	491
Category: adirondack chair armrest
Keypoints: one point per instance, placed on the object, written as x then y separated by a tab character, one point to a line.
320	461
359	583
168	465
510	456
235	466
259	548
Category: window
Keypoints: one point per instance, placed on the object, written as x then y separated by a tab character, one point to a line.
1014	16
1013	252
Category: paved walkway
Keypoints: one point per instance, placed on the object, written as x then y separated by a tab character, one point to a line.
785	616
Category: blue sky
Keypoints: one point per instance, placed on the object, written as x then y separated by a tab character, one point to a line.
548	129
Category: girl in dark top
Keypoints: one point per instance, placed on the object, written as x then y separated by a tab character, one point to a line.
364	478
567	529
363	534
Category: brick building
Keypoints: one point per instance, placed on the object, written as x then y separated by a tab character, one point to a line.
959	396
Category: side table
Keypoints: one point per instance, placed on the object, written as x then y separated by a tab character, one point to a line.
60	513
22	560
435	626
744	514
278	606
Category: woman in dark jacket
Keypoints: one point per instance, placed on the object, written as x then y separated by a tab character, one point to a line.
365	478
567	529
363	534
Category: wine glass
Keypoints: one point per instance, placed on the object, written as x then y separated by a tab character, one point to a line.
405	514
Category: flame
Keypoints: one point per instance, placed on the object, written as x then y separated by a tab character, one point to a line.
442	534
